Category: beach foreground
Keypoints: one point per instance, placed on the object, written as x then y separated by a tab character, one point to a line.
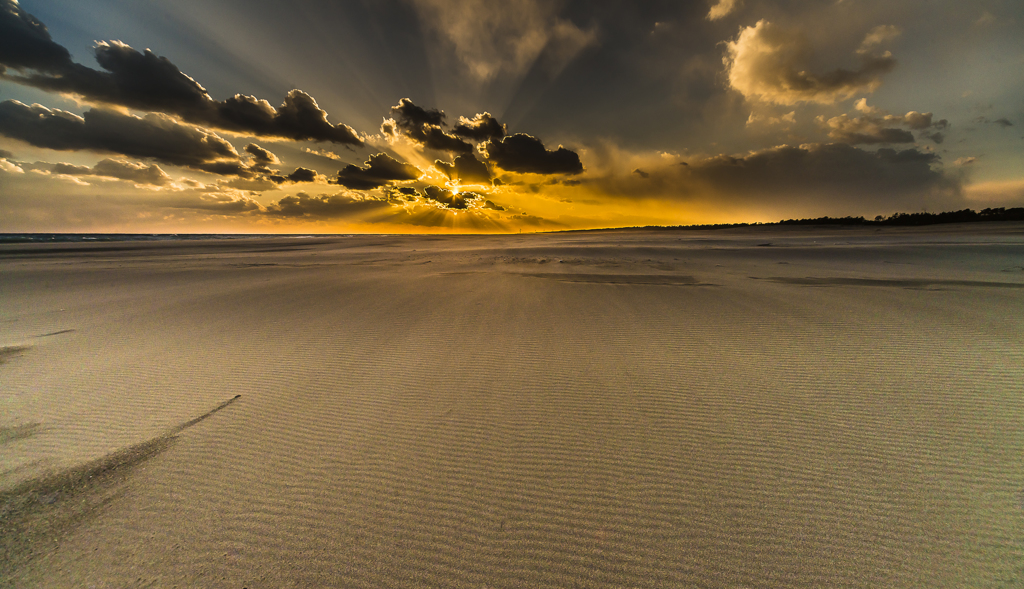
758	407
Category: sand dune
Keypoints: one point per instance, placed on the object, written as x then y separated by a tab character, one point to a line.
765	407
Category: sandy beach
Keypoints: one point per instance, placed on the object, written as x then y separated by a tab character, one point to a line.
755	407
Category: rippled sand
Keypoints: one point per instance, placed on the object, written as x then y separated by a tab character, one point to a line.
762	407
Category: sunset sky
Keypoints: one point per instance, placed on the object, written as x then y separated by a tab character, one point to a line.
431	115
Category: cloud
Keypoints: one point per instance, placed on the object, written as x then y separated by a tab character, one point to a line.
148	82
965	161
641	173
877	36
261	156
785	120
769	63
1000	192
299	175
466	169
153	136
380	169
302	175
143	81
9	166
411	115
491	206
1004	123
916	120
422	126
862	106
325	206
260	184
25	42
124	170
407	190
449	198
821	169
807	180
526	154
480	128
722	9
222	204
446	168
322	153
879	129
299	118
863	130
504	39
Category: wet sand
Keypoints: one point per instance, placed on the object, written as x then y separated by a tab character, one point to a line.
759	407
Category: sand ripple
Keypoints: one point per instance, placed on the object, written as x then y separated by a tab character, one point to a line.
459	424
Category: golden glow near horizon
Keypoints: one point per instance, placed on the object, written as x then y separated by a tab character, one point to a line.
725	112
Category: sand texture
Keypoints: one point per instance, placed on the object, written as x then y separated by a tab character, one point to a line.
748	408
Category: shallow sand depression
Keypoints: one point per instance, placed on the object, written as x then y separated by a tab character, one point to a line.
759	407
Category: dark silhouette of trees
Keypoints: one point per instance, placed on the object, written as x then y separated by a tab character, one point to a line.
896	219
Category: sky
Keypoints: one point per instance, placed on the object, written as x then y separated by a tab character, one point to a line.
401	116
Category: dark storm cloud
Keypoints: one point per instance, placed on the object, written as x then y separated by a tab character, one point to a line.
120	169
400	194
466	168
526	154
136	80
448	198
436	138
302	175
148	82
827	164
299	118
4	154
446	168
480	128
490	205
325	206
154	136
408	114
834	179
471	170
299	175
422	126
25	42
380	170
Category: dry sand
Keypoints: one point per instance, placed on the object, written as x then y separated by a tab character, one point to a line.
840	408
